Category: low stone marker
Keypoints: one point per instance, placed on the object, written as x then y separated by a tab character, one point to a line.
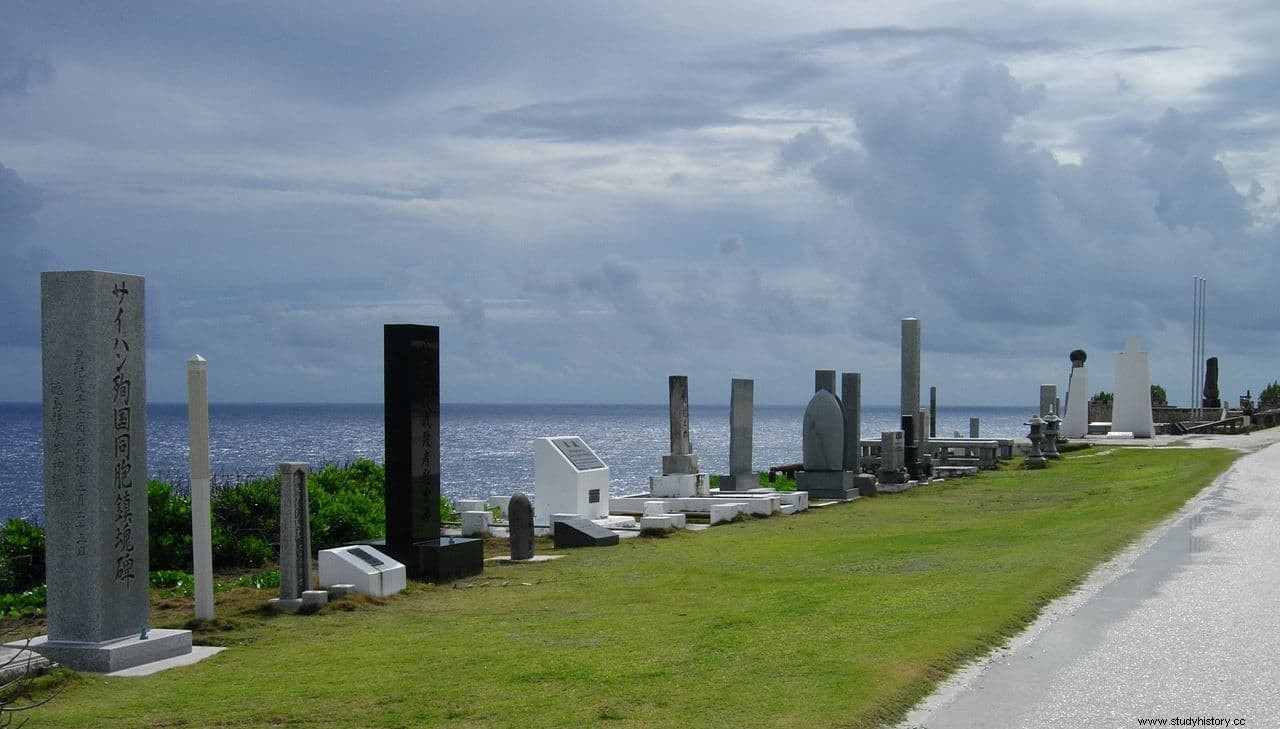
520	520
892	475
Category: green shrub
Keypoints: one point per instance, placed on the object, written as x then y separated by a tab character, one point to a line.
246	524
21	556
1270	396
168	527
1102	396
347	504
28	602
1158	395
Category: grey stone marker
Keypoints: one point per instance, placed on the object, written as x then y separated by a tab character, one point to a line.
824	380
295	537
681	460
922	444
851	399
741	476
95	475
824	476
892	465
520	519
1048	394
973	427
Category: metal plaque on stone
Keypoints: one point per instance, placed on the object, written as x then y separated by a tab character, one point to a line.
578	454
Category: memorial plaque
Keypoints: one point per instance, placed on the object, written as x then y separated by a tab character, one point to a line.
578	454
365	557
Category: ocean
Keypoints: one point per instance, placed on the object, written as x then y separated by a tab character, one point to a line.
485	448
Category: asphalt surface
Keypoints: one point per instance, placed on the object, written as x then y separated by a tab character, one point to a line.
1184	625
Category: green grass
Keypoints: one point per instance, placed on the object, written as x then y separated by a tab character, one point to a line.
844	616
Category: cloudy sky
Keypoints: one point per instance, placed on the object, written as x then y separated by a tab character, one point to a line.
588	196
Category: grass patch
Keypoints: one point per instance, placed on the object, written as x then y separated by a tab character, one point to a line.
843	616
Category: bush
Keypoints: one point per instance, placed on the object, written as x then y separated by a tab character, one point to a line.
21	556
168	527
1102	396
1270	396
1158	395
347	504
246	523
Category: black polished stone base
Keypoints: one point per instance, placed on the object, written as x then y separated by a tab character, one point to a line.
582	533
438	560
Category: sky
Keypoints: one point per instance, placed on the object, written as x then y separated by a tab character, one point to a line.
587	197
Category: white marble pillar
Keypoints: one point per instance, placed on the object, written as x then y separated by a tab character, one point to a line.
198	437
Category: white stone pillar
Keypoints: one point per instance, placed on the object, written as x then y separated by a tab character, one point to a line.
201	523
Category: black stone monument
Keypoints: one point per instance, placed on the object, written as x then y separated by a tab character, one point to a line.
1211	397
909	448
411	412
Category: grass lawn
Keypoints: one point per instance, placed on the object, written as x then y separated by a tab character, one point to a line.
844	616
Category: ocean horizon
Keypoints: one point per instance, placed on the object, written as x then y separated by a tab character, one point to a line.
485	447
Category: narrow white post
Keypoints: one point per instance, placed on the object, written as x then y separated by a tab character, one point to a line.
198	425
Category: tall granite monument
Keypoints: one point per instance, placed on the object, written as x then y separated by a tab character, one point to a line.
742	475
93	352
411	417
1211	399
910	393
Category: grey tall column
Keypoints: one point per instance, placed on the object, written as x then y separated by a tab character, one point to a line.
973	427
910	367
201	523
851	397
741	414
910	392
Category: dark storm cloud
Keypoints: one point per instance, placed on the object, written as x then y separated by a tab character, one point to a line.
20	263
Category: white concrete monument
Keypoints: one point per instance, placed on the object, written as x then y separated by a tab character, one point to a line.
1076	422
1131	409
568	478
371	571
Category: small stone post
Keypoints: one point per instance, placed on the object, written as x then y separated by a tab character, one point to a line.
198	439
1048	394
295	534
520	519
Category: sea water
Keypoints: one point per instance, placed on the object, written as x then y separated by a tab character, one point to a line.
485	449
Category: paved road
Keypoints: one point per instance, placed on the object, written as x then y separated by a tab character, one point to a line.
1185	624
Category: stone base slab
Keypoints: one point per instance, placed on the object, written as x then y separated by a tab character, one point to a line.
835	485
679	464
895	488
680	485
739	482
115	655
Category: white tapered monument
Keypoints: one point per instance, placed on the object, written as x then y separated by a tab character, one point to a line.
1131	409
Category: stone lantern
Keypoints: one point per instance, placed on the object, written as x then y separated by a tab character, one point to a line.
1052	426
1035	459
